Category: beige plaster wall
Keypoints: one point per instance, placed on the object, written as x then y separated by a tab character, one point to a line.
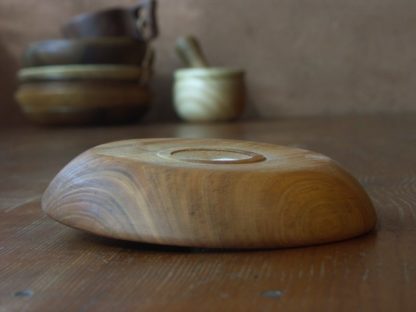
303	57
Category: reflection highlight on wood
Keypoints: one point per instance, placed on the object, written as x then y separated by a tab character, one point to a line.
209	193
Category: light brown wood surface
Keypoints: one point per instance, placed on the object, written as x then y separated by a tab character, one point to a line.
45	266
209	193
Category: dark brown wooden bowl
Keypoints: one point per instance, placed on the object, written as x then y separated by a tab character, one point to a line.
110	50
138	21
75	103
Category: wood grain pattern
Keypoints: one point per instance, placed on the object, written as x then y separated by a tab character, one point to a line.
209	193
209	94
45	266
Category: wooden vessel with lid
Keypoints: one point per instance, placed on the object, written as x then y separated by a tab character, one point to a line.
209	193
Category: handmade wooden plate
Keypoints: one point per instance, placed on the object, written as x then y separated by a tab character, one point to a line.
209	193
83	72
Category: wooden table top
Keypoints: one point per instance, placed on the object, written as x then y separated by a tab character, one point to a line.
45	266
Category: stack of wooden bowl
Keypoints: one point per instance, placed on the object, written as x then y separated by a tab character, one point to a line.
98	74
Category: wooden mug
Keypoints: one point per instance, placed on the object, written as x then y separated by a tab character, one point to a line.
138	22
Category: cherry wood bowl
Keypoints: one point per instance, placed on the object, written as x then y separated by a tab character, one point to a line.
109	50
92	102
209	193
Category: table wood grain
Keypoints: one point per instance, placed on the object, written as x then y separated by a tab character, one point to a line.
45	266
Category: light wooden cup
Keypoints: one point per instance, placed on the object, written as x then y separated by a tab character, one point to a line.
209	94
206	94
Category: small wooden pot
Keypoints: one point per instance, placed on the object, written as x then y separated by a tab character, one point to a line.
209	94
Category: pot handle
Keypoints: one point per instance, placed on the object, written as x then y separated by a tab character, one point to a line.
145	14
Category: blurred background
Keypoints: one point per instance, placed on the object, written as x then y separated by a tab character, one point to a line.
302	57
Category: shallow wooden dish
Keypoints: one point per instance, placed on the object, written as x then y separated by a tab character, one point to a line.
84	72
109	50
70	103
209	193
